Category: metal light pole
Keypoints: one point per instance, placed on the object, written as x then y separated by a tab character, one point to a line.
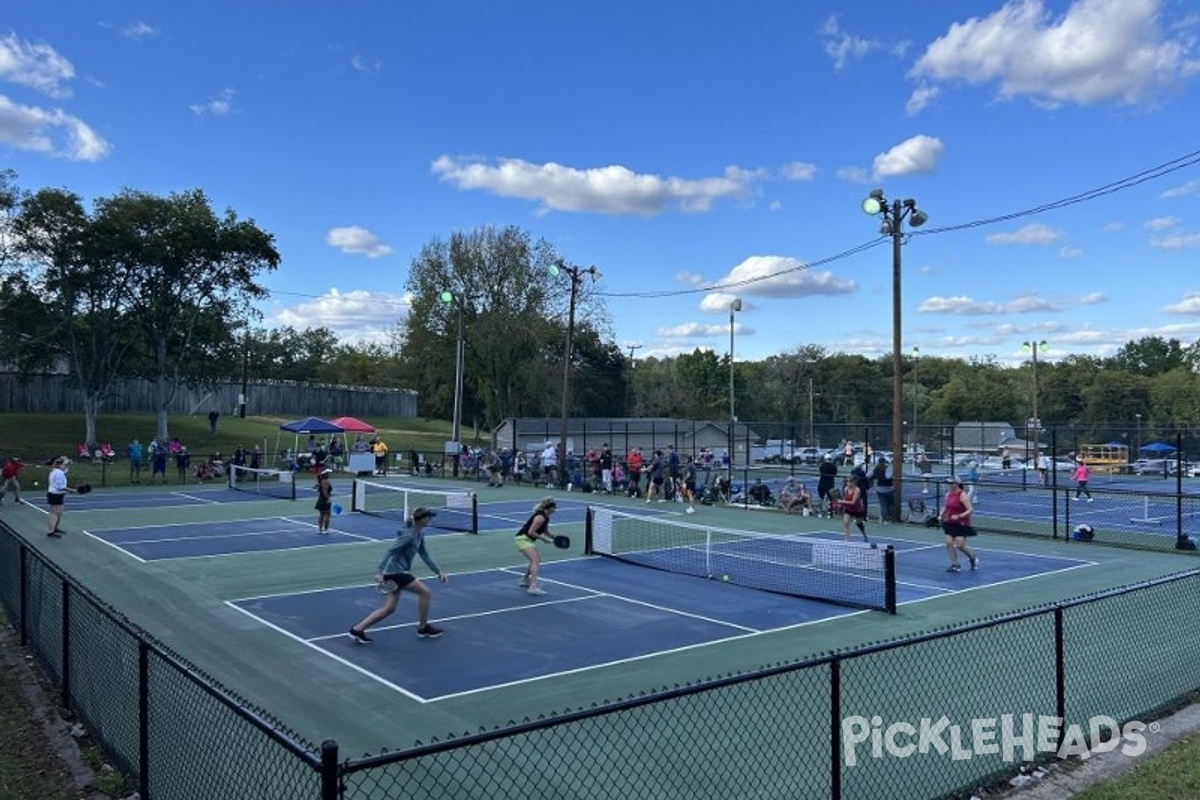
916	361
735	305
575	274
812	438
1137	443
893	225
450	298
1035	421
629	380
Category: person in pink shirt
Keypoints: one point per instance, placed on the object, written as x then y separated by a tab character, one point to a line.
956	524
1081	476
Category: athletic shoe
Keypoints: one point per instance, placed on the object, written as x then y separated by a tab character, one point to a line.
1089	499
524	584
360	636
974	562
535	590
954	568
428	631
690	510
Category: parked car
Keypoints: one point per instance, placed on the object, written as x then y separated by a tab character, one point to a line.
1059	464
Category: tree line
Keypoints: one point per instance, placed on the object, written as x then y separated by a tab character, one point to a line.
165	288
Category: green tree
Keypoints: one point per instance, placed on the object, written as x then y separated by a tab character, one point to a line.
185	264
75	283
514	322
1150	356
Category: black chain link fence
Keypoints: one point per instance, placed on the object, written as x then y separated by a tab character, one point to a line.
927	715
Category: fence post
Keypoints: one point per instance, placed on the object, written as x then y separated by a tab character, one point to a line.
835	729
1060	675
329	770
143	718
66	644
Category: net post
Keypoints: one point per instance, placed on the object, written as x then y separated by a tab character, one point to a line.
889	579
587	536
354	504
474	513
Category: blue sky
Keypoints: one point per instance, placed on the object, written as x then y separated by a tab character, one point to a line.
694	151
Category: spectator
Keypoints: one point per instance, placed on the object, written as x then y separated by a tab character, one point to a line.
633	464
827	472
885	489
550	465
158	459
213	416
135	453
760	493
380	451
256	458
183	460
789	496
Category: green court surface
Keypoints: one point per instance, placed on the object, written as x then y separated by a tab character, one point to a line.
249	618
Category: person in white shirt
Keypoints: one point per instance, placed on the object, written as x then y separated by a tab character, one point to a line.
56	492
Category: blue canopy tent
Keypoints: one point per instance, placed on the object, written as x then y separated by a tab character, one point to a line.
309	425
1157	447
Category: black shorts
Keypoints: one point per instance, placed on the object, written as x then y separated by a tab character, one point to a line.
956	529
323	505
53	499
401	579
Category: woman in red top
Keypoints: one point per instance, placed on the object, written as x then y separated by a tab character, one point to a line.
956	523
853	508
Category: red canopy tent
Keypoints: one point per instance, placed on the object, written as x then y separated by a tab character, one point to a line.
352	425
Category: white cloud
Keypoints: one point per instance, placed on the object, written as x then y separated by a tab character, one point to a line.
961	304
799	171
35	66
1178	241
605	190
1113	227
139	30
1093	298
356	240
358	316
363	65
1189	305
702	330
1033	233
920	99
774	276
914	156
52	132
1070	253
843	47
1161	223
218	106
854	175
1191	187
1097	51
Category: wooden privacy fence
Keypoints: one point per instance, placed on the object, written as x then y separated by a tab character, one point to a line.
56	394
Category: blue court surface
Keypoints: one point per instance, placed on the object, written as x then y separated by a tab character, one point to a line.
597	612
201	495
298	530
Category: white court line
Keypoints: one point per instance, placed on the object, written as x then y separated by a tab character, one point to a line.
993	584
334	656
516	571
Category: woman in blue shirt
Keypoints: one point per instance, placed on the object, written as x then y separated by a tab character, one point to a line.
396	566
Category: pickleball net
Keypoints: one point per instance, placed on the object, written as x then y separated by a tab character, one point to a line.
456	511
846	573
267	482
